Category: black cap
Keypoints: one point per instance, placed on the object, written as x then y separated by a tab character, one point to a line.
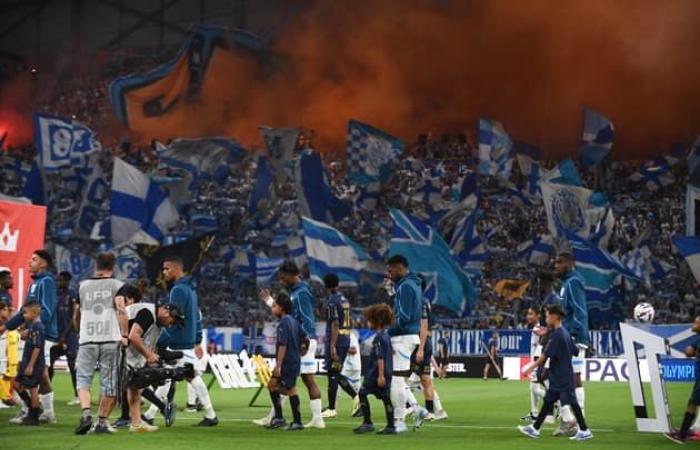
176	313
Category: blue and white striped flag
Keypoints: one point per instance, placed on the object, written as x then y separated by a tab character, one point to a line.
242	260
329	250
495	149
596	138
371	153
79	265
638	261
281	143
689	248
599	270
428	254
62	142
655	175
266	268
201	223
466	243
316	200
367	196
538	250
429	193
140	212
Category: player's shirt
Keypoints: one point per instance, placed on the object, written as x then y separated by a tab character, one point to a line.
573	302
66	300
381	350
303	302
560	349
493	345
338	310
43	290
35	339
290	334
5	297
442	348
426	314
98	315
184	296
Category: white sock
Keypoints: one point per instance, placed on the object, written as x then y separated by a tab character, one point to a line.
161	393
566	415
316	406
581	399
47	403
398	397
537	393
436	401
191	395
203	394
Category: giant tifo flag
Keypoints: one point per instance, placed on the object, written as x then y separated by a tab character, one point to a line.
316	200
62	142
495	149
596	138
689	247
168	97
447	285
330	251
280	143
140	212
371	153
577	210
22	229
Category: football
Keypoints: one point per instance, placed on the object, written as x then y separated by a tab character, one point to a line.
644	312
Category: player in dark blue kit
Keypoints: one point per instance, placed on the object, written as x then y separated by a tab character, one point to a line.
681	435
338	329
66	303
292	342
379	370
31	368
558	352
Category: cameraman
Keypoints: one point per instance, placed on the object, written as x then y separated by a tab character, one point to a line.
145	325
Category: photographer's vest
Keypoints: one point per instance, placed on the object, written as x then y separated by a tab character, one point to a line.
150	336
98	315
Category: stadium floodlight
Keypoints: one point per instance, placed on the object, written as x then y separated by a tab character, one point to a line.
638	342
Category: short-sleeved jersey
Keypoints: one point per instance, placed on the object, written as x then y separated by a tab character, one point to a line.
493	344
338	309
290	334
35	339
66	302
427	314
535	343
560	349
381	350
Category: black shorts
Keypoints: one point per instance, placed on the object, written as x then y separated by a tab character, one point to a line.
423	368
695	395
288	378
566	396
70	352
335	367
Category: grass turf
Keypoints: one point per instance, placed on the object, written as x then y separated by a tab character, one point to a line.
482	414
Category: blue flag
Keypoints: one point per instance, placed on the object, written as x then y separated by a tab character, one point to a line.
495	149
371	153
330	251
62	142
564	173
140	212
655	175
689	248
596	138
281	143
262	189
266	268
427	253
313	191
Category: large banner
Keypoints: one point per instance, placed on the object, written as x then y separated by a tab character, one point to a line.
22	228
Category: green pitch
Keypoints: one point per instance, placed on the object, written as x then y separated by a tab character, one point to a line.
483	415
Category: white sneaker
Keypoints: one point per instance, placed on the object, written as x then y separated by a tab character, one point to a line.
549	419
74	402
143	427
4	406
409	412
47	418
430	417
441	415
529	431
582	435
565	429
329	414
19	417
316	423
419	417
265	421
400	426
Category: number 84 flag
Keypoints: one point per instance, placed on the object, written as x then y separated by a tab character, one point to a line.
62	142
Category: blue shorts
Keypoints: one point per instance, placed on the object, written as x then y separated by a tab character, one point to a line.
335	367
423	368
565	396
30	381
288	377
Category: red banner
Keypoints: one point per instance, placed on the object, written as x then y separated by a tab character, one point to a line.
22	228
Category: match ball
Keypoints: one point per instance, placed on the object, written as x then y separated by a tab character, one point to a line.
644	312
